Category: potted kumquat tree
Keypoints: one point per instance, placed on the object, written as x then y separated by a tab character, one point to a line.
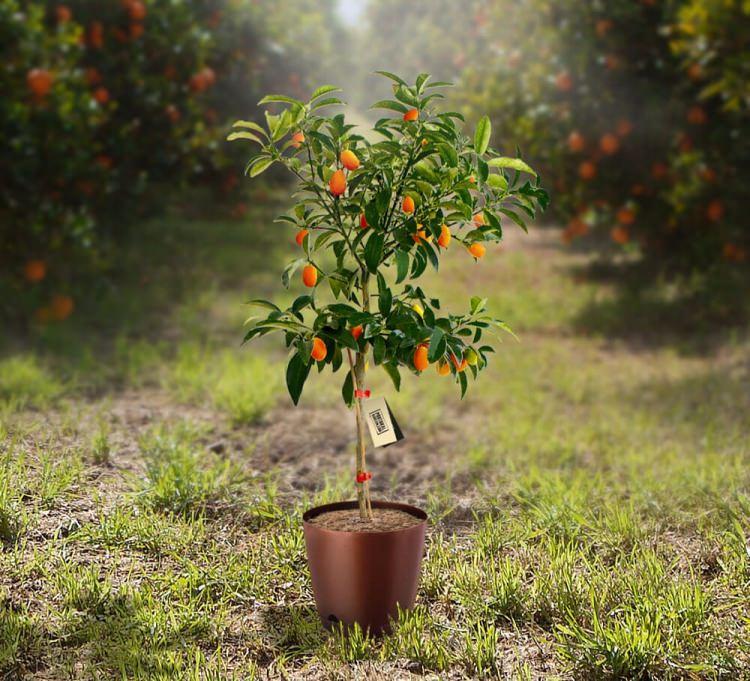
371	216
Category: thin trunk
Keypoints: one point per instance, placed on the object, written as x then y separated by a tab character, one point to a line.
358	370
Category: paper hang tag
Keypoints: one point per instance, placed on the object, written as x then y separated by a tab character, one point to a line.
384	429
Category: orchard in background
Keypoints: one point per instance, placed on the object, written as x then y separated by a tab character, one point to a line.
109	111
637	113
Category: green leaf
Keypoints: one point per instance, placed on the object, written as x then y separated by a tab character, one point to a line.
393	76
374	251
395	375
232	136
402	265
390	104
289	270
347	390
323	90
438	345
328	101
296	374
279	98
252	125
448	154
422	78
482	135
378	350
372	214
512	163
385	298
515	217
464	383
477	304
497	182
260	302
259	166
405	95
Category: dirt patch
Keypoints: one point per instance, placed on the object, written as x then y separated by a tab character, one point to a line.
383	520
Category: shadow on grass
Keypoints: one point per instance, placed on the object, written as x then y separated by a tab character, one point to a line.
694	314
712	401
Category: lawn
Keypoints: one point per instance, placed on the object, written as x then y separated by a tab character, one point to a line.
589	498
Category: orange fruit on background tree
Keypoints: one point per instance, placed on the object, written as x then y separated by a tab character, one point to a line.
61	307
577	227
136	10
101	95
624	127
733	253
620	235
715	210
408	204
411	115
625	216
478	219
603	26
39	81
477	250
198	82
96	35
708	175
310	276
420	357
337	183
587	170
363	221
357	331
445	236
301	236
576	142
443	368
297	139
609	143
349	160
63	14
319	350
34	271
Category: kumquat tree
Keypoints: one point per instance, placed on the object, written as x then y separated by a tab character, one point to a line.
371	216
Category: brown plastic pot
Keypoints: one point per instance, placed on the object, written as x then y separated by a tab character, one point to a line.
364	577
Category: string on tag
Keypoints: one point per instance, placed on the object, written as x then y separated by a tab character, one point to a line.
364	476
361	393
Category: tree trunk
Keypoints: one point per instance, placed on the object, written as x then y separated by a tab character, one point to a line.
363	488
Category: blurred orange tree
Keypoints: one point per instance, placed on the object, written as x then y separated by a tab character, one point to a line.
635	112
638	113
111	109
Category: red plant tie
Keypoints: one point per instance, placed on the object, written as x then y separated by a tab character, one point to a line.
361	393
364	476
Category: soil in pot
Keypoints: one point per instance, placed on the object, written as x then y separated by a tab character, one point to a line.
348	520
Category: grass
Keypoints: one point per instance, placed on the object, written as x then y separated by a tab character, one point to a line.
589	499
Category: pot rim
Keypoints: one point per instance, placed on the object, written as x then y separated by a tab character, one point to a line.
351	504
